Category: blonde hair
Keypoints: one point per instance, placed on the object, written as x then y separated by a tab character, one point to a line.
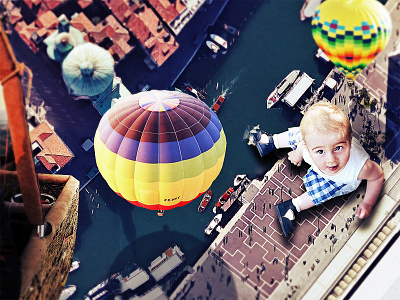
324	118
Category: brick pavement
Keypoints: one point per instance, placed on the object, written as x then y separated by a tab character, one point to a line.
256	238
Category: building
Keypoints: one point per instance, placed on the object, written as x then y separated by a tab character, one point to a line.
144	24
48	148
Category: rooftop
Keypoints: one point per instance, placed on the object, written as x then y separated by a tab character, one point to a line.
54	153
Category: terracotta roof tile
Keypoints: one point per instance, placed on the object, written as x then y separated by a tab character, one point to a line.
15	16
48	20
112	29
54	151
81	22
45	162
84	3
138	28
32	3
166	9
144	24
25	32
51	4
40	9
120	9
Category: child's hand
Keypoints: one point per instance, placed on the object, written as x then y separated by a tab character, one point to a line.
364	210
295	158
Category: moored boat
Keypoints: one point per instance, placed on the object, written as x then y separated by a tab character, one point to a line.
282	88
67	292
308	9
221	201
213	46
130	278
294	87
219	40
204	202
322	56
74	266
106	288
213	224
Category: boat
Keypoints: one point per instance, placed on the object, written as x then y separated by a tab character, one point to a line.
217	104
230	29
282	88
308	9
194	91
291	89
239	179
214	222
322	56
221	201
130	278
106	288
219	40
203	204
75	265
160	212
213	46
240	183
67	292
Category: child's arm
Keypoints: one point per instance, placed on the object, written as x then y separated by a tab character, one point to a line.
296	156
374	176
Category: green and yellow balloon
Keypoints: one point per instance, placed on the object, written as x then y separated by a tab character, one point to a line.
351	32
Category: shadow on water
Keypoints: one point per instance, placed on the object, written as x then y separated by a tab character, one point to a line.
211	278
146	248
125	214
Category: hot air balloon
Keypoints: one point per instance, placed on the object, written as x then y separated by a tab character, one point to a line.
351	32
159	149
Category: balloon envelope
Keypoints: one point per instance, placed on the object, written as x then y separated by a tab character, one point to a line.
159	149
351	32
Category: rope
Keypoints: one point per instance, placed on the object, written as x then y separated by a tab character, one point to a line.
19	67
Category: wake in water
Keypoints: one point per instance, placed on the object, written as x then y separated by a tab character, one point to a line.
230	85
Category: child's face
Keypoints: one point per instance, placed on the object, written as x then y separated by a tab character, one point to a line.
330	152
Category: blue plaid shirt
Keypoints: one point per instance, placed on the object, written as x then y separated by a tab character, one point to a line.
320	189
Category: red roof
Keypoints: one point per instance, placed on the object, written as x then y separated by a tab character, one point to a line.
167	10
81	22
48	20
112	29
14	12
120	9
51	4
32	3
25	32
84	3
54	151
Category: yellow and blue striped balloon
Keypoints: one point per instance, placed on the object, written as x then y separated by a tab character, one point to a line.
351	32
160	149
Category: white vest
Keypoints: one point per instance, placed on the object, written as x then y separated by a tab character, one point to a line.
349	174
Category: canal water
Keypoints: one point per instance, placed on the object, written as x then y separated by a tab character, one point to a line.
272	42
